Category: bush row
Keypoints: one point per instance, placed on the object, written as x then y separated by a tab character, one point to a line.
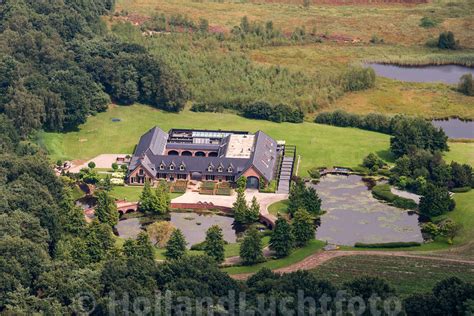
399	244
382	191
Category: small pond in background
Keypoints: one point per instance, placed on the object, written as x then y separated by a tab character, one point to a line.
193	226
354	215
456	128
442	73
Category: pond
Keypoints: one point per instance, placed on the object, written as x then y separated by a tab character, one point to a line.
456	128
193	226
439	73
354	215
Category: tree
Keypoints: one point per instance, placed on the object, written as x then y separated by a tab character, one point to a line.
449	229
149	202
311	201
99	241
303	228
446	41
115	166
367	286
26	110
281	239
176	246
251	249
241	183
253	211
163	197
160	232
302	197
106	209
91	165
141	248
466	85
436	201
461	175
240	208
372	161
214	244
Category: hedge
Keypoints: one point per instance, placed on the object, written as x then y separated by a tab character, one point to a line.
461	190
398	244
382	192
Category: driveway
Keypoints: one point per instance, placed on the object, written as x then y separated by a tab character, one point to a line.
101	161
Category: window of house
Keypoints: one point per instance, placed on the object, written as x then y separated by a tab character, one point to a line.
210	177
230	178
171	167
219	169
162	175
229	169
141	172
209	168
181	167
182	176
162	167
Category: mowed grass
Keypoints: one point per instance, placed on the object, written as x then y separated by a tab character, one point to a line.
460	152
131	193
296	256
394	23
279	208
318	145
406	275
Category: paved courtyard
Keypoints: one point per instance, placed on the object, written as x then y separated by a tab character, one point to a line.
101	161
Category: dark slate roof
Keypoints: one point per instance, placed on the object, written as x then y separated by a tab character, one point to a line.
154	140
200	164
264	156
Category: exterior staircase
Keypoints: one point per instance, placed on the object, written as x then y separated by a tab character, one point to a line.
286	169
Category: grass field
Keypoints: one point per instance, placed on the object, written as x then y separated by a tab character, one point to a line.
394	23
131	193
279	208
296	256
404	274
319	145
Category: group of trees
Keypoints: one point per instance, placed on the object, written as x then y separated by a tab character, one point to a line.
243	213
285	237
156	201
466	85
303	197
408	133
58	66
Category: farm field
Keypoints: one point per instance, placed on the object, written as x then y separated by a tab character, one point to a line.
402	273
394	23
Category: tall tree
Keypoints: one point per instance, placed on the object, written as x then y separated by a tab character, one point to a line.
240	208
281	239
163	197
303	228
149	202
251	249
140	248
176	246
214	243
106	209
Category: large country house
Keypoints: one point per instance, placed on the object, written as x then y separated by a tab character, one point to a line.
204	155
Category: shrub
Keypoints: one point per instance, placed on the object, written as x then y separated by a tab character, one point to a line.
446	41
461	190
199	246
466	84
428	22
382	191
314	173
359	78
400	244
270	188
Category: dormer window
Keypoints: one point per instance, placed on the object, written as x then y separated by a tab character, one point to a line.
162	166
182	167
229	169
219	169
209	169
172	167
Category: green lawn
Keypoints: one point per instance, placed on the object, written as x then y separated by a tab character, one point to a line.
406	275
131	193
279	208
296	256
460	152
319	145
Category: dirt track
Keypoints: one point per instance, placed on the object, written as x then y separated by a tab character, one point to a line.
319	258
